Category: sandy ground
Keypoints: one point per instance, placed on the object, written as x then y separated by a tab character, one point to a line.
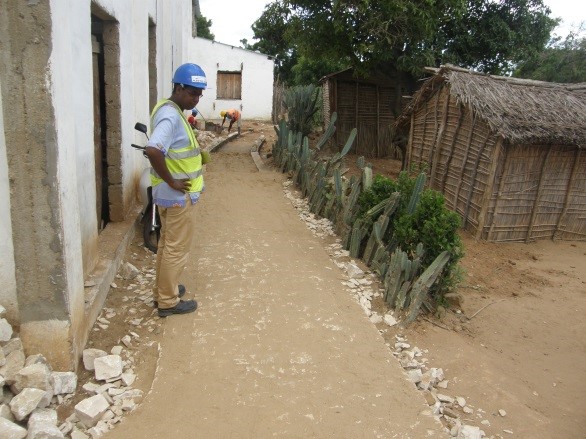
517	344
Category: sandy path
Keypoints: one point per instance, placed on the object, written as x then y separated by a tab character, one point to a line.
277	347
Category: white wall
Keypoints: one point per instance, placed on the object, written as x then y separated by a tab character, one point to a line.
7	276
257	79
72	104
70	82
70	146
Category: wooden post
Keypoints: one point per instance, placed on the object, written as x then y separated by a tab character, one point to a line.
537	195
435	123
378	154
437	148
465	159
356	119
498	195
451	152
335	100
568	192
489	185
410	146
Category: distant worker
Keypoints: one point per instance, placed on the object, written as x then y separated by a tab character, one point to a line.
233	116
191	119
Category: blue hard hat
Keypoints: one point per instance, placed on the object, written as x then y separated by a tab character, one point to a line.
194	112
190	74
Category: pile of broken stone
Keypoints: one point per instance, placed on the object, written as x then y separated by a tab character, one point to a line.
30	392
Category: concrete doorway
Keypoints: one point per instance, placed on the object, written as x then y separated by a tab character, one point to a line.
107	117
100	128
152	64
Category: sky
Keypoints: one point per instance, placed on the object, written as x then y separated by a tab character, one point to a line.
232	19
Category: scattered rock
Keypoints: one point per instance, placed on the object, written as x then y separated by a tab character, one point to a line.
449	412
37	376
469	432
445	398
390	320
10	430
502	413
90	410
14	363
25	402
64	382
128	271
90	355
353	271
5	330
109	366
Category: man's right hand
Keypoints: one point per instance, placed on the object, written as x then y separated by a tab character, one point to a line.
182	185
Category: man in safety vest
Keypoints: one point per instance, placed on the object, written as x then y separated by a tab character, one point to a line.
234	116
177	182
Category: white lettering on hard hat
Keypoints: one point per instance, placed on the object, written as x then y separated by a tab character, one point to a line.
195	78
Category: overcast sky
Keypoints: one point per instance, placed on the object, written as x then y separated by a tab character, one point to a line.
231	19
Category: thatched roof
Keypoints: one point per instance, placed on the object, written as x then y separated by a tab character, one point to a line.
519	110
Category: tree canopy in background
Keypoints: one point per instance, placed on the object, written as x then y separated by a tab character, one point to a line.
311	38
204	28
564	61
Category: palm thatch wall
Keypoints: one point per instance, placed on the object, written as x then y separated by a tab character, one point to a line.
371	105
508	154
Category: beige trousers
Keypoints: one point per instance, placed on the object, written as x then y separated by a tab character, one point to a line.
177	228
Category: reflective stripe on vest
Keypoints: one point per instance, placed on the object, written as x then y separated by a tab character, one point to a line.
182	162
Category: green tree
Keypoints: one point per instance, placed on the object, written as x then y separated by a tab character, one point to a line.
486	35
494	36
270	30
563	61
204	28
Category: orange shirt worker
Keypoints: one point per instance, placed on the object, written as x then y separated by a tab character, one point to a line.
233	115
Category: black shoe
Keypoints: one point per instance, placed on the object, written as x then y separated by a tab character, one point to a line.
181	294
183	307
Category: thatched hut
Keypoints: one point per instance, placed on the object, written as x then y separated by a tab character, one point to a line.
371	104
508	154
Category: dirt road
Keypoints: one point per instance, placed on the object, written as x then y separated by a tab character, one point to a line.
277	348
275	322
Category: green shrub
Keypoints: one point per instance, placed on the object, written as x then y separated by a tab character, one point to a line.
434	225
381	189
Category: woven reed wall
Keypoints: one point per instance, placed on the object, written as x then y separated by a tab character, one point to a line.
325	94
503	192
369	108
279	111
542	195
456	148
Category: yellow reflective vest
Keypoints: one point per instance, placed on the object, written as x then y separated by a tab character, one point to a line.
183	162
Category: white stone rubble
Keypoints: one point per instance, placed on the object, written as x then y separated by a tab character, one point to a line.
5	330
90	355
10	430
90	410
109	366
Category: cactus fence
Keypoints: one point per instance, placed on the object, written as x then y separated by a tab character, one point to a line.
407	283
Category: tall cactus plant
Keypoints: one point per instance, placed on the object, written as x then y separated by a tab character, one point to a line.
301	104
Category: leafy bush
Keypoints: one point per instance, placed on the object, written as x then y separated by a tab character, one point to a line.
431	224
381	189
434	225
